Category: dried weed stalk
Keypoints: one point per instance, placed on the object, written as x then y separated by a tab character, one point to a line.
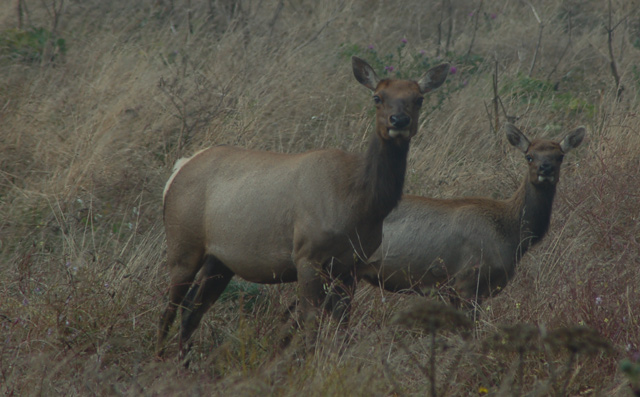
520	339
576	340
431	317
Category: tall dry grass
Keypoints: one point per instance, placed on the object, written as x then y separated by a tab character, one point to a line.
90	133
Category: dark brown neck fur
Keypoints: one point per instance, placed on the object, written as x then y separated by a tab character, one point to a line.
381	176
532	207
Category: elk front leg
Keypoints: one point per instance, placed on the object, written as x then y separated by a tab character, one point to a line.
311	295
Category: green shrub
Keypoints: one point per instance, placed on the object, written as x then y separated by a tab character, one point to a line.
245	293
29	45
531	90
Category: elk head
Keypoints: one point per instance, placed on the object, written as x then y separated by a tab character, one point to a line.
398	102
544	157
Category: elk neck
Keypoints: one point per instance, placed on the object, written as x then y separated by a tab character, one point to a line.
531	206
380	177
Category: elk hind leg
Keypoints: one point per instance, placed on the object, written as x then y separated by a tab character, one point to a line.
213	281
183	273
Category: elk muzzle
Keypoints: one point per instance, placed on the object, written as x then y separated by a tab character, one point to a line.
399	123
546	173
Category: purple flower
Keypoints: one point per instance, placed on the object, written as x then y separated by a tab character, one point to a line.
388	68
471	14
423	52
453	70
493	15
371	47
404	41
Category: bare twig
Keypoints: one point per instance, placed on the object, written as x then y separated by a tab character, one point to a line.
189	18
445	6
196	100
432	364
54	13
315	36
495	99
511	119
476	17
535	13
449	28
563	51
276	15
20	12
439	28
494	114
535	54
489	116
612	60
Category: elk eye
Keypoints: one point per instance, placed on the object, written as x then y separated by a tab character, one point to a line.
419	101
377	100
529	158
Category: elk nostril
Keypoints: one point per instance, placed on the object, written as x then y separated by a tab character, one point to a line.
546	168
400	120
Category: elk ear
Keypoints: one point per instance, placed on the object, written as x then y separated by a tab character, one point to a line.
364	73
573	140
433	78
517	138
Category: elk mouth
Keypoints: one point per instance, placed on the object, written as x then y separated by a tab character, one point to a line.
397	133
546	178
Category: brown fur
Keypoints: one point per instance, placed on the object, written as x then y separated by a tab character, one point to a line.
471	244
272	218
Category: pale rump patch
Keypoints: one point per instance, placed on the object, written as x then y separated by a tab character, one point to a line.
176	168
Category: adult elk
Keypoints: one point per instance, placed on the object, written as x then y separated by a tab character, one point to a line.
470	244
276	218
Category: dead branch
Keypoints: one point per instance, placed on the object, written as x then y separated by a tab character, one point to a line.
439	29
535	54
495	98
476	17
449	29
566	48
276	15
20	12
612	59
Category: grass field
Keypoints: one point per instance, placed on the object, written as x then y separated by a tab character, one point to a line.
99	99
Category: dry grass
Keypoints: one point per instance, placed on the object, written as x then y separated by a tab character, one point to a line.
89	137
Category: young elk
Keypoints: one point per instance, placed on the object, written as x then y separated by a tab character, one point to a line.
470	244
276	218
